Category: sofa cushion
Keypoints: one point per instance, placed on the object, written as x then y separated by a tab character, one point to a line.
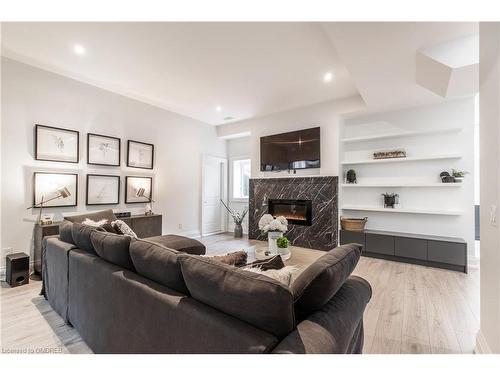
95	216
66	232
158	263
81	237
253	298
314	287
113	247
180	243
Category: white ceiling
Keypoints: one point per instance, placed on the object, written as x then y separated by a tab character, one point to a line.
249	69
381	57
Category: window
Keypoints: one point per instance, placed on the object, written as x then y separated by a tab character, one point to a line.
240	178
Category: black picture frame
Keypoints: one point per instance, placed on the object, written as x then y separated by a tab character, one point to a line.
89	175
127	198
89	135
55	173
129	143
39	127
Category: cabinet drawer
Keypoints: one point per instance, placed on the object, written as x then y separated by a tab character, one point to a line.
410	248
352	237
379	243
447	252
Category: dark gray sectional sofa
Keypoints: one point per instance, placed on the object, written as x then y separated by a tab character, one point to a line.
139	296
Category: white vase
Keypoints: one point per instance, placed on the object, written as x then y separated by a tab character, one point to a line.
272	236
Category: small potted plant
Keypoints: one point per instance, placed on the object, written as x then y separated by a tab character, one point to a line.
459	175
390	199
283	244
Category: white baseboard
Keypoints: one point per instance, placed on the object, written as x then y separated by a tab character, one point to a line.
482	346
191	234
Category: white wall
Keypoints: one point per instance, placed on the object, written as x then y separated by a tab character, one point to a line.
325	115
452	114
237	148
31	95
488	339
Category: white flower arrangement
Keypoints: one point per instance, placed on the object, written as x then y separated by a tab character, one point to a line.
268	223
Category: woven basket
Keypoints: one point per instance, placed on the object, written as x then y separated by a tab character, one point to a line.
355	225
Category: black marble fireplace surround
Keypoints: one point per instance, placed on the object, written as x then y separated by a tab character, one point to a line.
322	234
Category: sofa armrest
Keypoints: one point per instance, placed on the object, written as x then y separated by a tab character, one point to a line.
337	328
55	273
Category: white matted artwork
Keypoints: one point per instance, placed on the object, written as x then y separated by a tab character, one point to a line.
140	155
132	186
102	189
103	150
48	185
56	144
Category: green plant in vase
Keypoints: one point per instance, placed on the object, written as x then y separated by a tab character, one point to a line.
282	242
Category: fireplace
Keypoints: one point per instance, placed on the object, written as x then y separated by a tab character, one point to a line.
296	211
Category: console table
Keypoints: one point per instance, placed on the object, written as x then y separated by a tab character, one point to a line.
143	225
434	251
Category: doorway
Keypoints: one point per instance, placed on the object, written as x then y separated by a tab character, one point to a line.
214	189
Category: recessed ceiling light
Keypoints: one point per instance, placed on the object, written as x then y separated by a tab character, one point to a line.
79	49
218	108
328	77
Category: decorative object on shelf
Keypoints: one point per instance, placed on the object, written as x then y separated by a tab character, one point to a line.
390	200
102	189
351	177
46	219
132	186
446	178
123	214
60	189
56	144
274	227
237	218
353	224
389	154
140	155
458	175
103	150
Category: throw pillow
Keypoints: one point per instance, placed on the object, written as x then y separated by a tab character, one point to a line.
81	236
283	275
314	287
113	247
104	224
122	228
65	232
237	258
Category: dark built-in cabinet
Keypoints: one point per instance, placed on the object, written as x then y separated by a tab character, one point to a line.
434	251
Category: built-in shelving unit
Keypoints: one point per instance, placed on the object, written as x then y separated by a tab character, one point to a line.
399	184
401	134
403	210
402	160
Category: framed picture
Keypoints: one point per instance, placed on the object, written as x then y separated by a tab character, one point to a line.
140	155
103	150
102	189
49	185
132	186
56	144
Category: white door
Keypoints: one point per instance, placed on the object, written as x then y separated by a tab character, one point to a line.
214	174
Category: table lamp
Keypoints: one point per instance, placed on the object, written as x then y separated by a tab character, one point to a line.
141	193
61	193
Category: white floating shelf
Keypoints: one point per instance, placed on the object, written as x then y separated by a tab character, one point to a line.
415	185
400	134
403	160
403	210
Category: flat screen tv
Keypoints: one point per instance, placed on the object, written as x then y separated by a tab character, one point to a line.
289	151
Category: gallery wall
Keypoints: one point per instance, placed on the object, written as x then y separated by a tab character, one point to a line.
33	96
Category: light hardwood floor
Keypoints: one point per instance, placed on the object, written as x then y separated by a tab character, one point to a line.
414	309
